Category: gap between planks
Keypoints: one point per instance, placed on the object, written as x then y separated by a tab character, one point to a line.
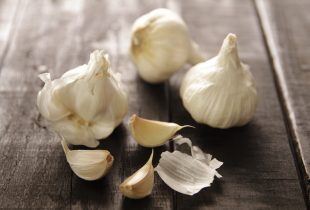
282	92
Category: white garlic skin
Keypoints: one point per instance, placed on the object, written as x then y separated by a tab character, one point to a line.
220	92
161	45
86	103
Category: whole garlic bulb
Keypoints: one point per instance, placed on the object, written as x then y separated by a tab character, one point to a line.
220	92
161	45
85	103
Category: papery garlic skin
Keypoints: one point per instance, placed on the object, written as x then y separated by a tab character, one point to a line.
161	45
152	133
141	183
86	103
88	164
220	92
187	174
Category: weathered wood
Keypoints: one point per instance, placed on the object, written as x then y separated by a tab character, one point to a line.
33	173
58	41
7	16
286	26
258	170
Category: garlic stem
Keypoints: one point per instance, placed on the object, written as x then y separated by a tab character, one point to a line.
229	52
195	56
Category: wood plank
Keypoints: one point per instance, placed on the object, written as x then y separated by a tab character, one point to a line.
286	26
258	170
60	35
7	16
34	173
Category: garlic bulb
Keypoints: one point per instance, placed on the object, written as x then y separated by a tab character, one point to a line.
187	174
220	92
161	45
84	104
140	184
151	133
88	164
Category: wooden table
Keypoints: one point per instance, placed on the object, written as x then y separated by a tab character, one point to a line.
266	163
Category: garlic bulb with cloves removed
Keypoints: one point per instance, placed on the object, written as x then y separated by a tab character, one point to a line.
88	164
140	184
220	92
152	133
161	45
85	103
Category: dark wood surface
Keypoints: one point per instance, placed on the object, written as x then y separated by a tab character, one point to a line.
286	27
266	163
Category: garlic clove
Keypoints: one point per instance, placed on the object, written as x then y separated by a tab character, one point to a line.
220	92
48	107
140	184
161	45
88	164
151	133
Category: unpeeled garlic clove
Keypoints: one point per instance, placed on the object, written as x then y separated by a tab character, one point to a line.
140	184
88	164
151	133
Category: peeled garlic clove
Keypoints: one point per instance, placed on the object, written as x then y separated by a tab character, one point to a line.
187	174
151	133
140	184
86	103
88	164
161	45
220	92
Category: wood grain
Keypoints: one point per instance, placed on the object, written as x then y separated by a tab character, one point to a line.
258	170
286	26
74	30
34	173
8	11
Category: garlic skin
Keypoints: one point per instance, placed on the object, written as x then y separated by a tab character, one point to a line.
187	174
161	45
140	184
85	103
88	164
152	133
220	92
